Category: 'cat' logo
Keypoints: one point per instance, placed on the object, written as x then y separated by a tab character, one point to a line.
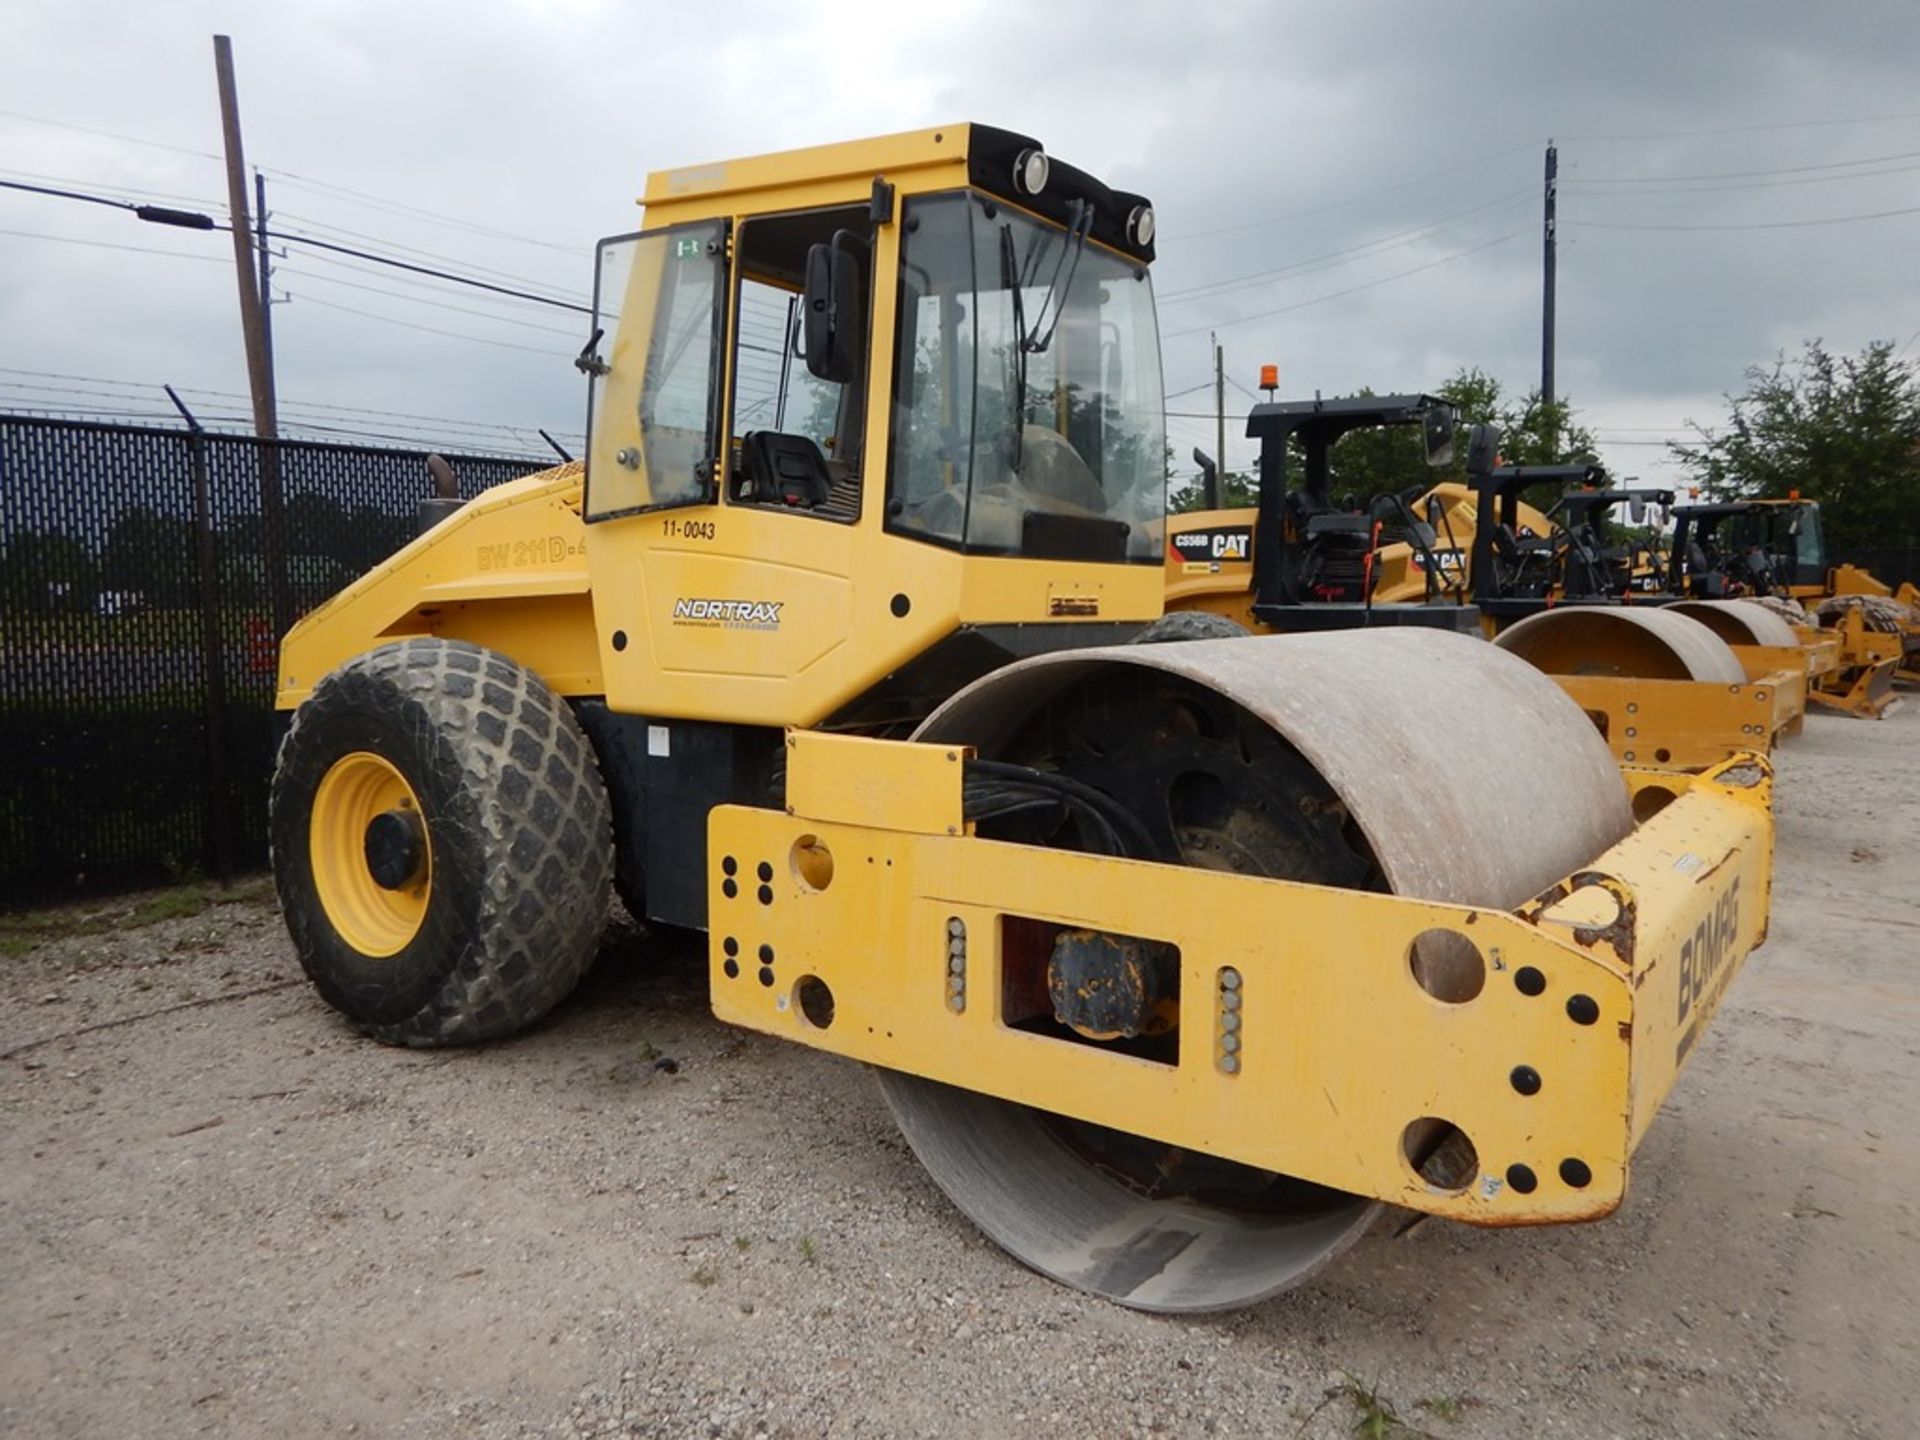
1230	542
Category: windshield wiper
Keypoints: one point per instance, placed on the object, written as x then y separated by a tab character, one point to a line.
1016	277
1080	221
1010	277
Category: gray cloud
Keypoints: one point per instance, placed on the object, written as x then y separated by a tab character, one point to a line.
1356	123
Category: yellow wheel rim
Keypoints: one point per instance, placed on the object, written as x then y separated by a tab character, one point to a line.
375	919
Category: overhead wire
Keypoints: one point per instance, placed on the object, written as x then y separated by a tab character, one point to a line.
427	329
420	300
112	245
1350	290
1229	284
421	282
1744	225
1744	129
416	251
1751	174
1421	179
410	211
108	134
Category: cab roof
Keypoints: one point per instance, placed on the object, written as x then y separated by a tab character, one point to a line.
940	158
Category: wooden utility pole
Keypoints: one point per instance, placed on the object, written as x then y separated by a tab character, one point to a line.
266	297
1548	428
253	328
1219	405
252	312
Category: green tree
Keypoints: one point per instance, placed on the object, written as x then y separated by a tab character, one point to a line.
150	555
48	572
1237	492
1843	430
1531	431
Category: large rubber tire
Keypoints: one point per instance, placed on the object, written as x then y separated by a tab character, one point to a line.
1180	625
517	827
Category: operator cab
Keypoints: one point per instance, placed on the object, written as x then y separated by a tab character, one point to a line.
1313	555
1011	322
1748	547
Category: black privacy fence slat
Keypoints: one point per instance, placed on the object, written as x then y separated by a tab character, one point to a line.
139	585
1892	565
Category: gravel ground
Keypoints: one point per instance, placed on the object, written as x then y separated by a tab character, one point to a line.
222	1213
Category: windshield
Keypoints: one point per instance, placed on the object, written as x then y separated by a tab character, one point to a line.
1027	403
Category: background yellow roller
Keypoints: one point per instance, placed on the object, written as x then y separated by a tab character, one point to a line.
1739	622
1308	757
1647	644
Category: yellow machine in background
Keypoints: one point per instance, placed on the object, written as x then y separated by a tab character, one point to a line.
1178	959
1664	690
1775	550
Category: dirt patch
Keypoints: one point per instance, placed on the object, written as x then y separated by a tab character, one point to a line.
222	1213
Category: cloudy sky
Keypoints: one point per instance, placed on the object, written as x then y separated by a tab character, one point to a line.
1350	191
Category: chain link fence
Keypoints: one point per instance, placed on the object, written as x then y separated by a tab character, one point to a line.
145	577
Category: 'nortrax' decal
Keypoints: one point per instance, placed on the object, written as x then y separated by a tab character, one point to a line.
729	614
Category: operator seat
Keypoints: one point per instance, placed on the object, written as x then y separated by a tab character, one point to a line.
783	469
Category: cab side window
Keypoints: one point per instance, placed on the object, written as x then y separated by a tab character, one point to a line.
796	438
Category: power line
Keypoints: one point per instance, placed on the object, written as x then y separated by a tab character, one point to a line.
1743	129
1243	389
1356	199
161	215
290	177
1749	174
1350	290
1191	389
110	185
430	286
418	300
415	250
297	239
108	134
110	245
1386	242
1609	190
398	207
1751	225
432	329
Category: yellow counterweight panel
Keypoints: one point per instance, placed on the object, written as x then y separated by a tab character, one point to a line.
1592	999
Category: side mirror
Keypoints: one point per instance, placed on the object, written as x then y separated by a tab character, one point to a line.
829	307
1483	449
1637	508
1439	426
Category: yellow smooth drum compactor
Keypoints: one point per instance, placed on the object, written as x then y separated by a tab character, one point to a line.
1665	690
1177	960
1775	549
